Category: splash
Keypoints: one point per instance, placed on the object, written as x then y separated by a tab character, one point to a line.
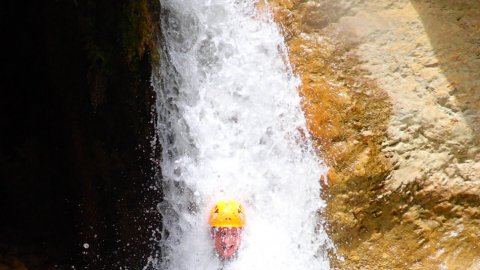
230	126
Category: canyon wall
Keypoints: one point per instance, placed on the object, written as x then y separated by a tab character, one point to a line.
77	126
391	90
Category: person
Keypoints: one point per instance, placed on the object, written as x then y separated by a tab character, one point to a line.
227	219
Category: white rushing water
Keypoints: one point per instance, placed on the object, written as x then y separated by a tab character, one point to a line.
230	126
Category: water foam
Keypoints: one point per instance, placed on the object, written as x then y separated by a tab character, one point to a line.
230	125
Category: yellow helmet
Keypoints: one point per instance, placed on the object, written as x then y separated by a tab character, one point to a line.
227	213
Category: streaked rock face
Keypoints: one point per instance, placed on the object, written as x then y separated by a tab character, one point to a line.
392	95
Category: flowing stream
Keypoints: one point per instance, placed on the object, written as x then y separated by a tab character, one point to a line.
231	126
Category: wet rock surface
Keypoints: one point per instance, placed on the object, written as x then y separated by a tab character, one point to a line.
391	93
76	154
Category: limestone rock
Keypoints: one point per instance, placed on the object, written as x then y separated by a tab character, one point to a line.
392	95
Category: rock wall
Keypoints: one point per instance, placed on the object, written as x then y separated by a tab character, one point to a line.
391	92
75	154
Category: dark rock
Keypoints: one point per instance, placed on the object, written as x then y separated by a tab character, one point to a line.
76	154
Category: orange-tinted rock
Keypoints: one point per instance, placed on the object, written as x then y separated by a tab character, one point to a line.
391	95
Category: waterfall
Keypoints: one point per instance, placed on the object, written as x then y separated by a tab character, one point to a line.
231	126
